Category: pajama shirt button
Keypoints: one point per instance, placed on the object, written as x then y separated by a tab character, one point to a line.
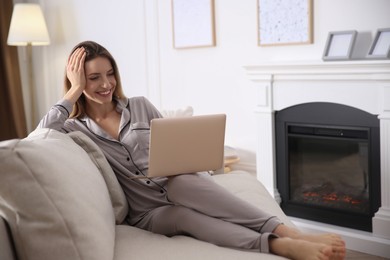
136	173
128	158
147	182
161	191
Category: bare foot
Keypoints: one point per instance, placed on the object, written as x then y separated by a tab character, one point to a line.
333	240
300	249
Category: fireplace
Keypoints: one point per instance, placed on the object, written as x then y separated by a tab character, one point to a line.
362	85
327	163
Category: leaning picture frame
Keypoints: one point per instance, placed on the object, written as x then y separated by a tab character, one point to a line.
339	45
193	23
380	47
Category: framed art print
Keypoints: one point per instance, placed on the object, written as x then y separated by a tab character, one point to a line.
282	22
193	23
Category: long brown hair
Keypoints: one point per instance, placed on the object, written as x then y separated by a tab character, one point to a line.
93	50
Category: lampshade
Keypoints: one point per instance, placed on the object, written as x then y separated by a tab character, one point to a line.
28	26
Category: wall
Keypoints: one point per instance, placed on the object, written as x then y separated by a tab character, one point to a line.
139	35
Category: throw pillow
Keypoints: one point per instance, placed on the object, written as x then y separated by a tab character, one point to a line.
54	199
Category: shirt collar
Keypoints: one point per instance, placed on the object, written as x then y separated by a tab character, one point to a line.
121	105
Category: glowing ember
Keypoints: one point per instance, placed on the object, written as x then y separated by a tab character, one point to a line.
327	196
331	197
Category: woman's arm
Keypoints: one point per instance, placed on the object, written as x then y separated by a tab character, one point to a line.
59	113
153	112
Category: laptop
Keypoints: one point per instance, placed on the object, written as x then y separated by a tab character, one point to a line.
182	145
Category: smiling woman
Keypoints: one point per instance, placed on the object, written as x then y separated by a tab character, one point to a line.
185	204
100	81
103	68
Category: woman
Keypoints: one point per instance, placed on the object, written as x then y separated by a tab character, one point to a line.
94	103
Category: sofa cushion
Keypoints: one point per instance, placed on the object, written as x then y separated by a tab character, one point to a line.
6	250
154	246
54	199
118	199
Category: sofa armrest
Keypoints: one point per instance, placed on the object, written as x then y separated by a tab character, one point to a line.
7	251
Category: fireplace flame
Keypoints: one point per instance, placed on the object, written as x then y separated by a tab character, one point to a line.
332	197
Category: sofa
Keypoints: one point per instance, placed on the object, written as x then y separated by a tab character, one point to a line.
59	199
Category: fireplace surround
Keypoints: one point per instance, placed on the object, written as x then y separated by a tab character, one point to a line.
364	85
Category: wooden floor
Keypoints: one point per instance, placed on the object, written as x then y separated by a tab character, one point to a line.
353	255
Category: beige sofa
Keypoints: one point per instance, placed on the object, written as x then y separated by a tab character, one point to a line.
59	199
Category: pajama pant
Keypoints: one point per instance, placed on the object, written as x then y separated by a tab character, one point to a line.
207	211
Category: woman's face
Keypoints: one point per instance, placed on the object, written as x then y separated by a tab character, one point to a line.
100	80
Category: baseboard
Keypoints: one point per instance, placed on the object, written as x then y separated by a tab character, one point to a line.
356	240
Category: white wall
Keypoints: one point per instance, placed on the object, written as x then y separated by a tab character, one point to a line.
139	35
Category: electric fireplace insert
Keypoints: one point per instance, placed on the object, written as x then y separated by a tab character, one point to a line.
328	166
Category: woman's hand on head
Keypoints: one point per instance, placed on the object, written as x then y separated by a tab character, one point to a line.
75	68
76	74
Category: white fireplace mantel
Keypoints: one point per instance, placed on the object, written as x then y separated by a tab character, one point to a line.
361	84
314	70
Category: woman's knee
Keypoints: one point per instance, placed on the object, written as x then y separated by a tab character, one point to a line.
171	220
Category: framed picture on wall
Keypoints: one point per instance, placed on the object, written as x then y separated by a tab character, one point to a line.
282	22
193	23
380	48
339	45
